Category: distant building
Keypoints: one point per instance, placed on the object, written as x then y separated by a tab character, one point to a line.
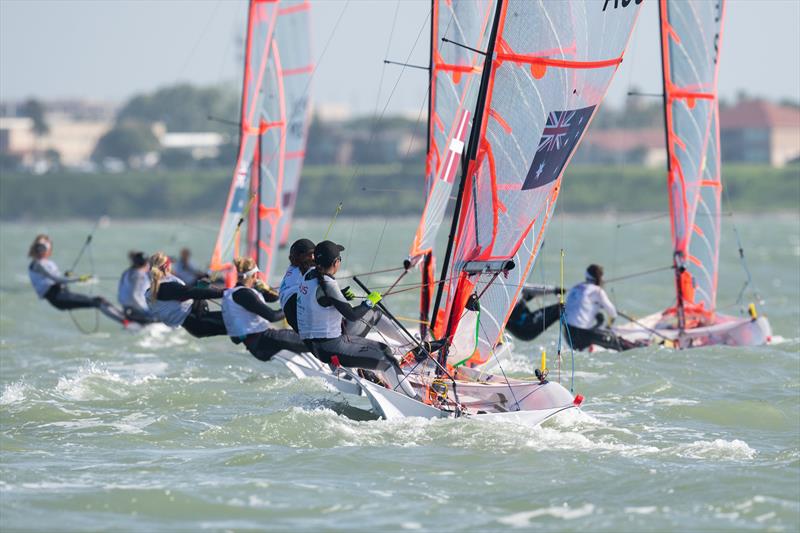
619	146
757	131
74	140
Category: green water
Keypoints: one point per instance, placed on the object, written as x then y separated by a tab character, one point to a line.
160	431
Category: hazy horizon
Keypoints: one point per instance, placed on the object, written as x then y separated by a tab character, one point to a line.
200	42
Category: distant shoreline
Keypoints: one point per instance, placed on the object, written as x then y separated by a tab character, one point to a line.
369	190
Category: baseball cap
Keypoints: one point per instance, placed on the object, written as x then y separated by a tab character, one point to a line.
326	252
301	246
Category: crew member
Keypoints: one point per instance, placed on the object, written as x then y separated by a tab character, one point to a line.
184	270
50	284
133	285
585	301
525	324
247	316
175	304
320	308
301	259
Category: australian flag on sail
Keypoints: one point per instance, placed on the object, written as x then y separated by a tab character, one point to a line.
561	133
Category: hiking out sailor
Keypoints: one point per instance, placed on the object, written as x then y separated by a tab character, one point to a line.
301	259
525	324
184	270
585	301
51	285
247	316
175	304
321	305
133	285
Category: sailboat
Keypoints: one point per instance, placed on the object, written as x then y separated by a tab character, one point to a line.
273	128
691	37
547	67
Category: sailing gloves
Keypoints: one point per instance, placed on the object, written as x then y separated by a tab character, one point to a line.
372	299
348	293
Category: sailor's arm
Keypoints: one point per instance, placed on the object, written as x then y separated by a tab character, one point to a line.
52	273
176	291
332	295
250	301
606	304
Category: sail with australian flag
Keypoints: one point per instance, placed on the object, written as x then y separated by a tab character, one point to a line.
551	65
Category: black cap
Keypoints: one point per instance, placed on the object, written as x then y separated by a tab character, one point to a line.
137	258
301	246
326	252
594	273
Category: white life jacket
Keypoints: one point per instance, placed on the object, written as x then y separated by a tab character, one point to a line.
239	321
133	285
42	283
170	312
290	284
313	320
584	301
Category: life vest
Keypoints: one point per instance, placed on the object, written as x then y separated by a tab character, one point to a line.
313	320
170	312
239	321
133	285
290	284
41	283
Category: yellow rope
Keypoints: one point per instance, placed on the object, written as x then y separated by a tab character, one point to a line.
335	214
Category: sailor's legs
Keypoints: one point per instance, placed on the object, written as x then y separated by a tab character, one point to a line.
359	352
205	324
266	344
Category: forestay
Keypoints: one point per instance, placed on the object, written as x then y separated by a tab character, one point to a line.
690	39
551	65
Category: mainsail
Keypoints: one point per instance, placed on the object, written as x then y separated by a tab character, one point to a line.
551	63
690	40
273	127
455	72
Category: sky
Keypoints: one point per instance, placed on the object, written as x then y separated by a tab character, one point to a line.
113	49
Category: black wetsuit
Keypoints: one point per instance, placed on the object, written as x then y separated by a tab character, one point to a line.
267	343
200	322
580	339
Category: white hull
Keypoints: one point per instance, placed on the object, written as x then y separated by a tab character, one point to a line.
480	395
727	330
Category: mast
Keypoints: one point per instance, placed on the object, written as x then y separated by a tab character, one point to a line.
469	155
678	267
257	202
424	292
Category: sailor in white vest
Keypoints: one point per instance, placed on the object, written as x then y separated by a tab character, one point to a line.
132	288
247	316
320	308
585	303
50	284
301	259
175	304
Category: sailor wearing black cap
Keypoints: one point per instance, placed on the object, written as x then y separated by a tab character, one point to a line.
301	259
585	301
320	308
133	285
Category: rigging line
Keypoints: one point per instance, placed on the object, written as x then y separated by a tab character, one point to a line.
374	131
386	54
651	330
500	366
742	260
637	274
378	247
200	38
